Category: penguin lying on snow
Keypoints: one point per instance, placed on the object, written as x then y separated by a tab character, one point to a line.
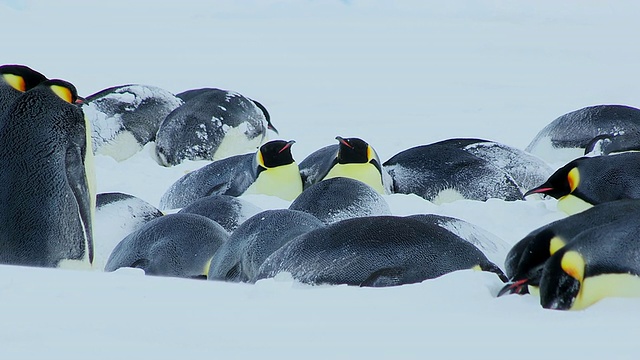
526	169
526	259
375	251
597	263
15	80
271	171
239	258
566	137
176	245
351	157
443	173
226	210
340	198
118	215
125	118
47	196
212	125
588	181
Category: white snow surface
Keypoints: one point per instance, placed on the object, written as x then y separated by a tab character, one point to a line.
396	74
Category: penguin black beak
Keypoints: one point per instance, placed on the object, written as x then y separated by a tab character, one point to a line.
515	287
545	190
272	128
80	100
287	145
344	142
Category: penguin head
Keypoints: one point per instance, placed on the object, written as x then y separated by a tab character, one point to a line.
266	116
63	89
274	153
20	77
526	260
354	150
564	185
561	281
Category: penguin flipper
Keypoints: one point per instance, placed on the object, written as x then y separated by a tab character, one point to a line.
77	180
392	276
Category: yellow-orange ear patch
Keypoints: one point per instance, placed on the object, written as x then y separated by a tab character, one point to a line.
260	159
574	178
555	244
369	153
15	81
63	93
573	264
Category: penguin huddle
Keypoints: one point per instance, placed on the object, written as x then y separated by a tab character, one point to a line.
338	228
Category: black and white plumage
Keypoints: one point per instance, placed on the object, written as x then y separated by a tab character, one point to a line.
125	118
239	259
375	251
211	125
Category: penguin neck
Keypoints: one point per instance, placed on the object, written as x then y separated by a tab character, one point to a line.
281	181
364	172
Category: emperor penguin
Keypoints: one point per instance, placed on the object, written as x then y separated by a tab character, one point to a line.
212	125
15	80
352	158
270	171
443	173
588	181
239	259
174	245
47	197
566	137
125	118
600	262
525	260
375	251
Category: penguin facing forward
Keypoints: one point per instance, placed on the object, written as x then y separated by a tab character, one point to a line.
270	171
47	197
526	169
213	125
174	245
118	215
239	259
375	251
226	210
443	173
15	80
566	137
125	118
526	259
588	181
352	158
600	262
340	198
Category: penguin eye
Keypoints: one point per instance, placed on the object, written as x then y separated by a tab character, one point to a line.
63	93
573	264
573	178
16	82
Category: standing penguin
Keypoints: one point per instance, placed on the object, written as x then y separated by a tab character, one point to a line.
598	263
588	181
270	171
14	80
351	157
46	197
212	125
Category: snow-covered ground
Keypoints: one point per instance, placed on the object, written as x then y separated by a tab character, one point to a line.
397	74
